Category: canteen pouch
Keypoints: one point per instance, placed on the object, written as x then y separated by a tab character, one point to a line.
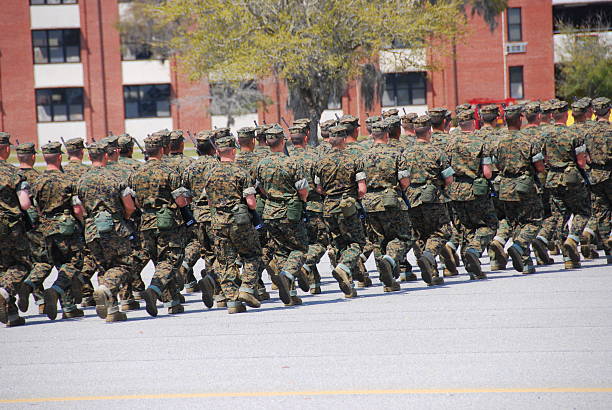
165	219
104	222
571	176
241	214
525	184
480	186
347	206
428	193
295	207
33	216
66	224
261	203
389	199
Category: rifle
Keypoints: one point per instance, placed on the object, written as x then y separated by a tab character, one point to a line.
144	153
64	143
285	150
256	220
405	198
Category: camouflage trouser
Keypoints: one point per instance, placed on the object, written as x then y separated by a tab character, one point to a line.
15	262
231	242
39	255
553	225
139	260
602	210
573	200
289	243
89	270
192	255
318	240
524	218
477	223
112	255
348	238
408	233
66	254
204	235
432	225
165	249
387	235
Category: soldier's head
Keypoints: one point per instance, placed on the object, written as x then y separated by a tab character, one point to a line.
5	145
390	113
98	153
297	134
325	127
164	137
275	137
352	125
52	153
246	138
465	119
337	136
438	118
226	147
394	127
581	109
112	147
204	146
380	132
74	148
532	112
177	142
489	114
126	145
305	122
26	154
559	113
371	120
601	106
260	133
154	146
407	124
514	116
422	127
546	109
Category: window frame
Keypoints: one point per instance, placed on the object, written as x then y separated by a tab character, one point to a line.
60	3
66	104
512	71
411	87
514	25
126	89
63	46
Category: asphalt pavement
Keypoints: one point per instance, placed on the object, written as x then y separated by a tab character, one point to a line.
512	341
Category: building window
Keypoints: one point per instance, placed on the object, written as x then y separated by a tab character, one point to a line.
334	102
131	52
142	101
404	89
234	99
37	2
59	104
515	31
56	46
516	82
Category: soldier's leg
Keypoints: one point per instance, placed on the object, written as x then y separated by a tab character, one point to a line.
409	240
347	237
434	229
603	214
497	254
290	244
318	241
245	240
192	255
88	271
578	202
226	267
170	248
15	263
527	216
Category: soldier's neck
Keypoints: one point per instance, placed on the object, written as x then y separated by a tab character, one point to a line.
531	125
75	159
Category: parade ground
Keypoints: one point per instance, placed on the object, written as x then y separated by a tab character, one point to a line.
513	341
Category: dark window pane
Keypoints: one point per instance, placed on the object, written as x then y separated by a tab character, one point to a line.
55	37
41	55
131	110
516	82
39	38
514	15
404	89
147	101
35	2
44	113
56	55
71	37
514	33
54	1
73	54
59	104
418	96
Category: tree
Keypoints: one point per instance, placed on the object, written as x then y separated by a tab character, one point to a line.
316	46
585	69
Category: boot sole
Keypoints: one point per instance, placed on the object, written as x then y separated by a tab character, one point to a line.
473	266
500	256
24	297
50	298
449	260
343	282
517	261
426	269
101	303
283	290
542	252
151	302
249	302
585	250
385	275
303	283
207	287
572	252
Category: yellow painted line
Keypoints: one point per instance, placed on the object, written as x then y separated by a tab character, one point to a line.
312	393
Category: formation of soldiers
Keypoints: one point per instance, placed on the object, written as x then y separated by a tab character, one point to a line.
261	201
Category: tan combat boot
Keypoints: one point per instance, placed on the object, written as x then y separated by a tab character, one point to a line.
116	317
571	249
249	299
235	307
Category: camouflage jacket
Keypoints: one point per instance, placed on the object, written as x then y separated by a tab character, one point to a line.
155	186
55	196
74	170
561	145
338	173
515	152
535	134
120	170
179	162
226	185
324	148
366	143
194	178
280	177
599	147
490	136
100	190
248	160
355	148
440	140
30	174
10	183
134	163
309	158
427	166
407	140
467	153
381	165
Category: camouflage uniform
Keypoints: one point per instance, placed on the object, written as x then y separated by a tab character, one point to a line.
156	187
568	191
280	178
427	166
338	173
226	186
55	197
515	154
14	250
381	165
473	212
106	231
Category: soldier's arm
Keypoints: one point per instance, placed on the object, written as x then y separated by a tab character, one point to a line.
447	171
23	194
580	150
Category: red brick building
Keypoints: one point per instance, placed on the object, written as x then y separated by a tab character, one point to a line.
63	73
